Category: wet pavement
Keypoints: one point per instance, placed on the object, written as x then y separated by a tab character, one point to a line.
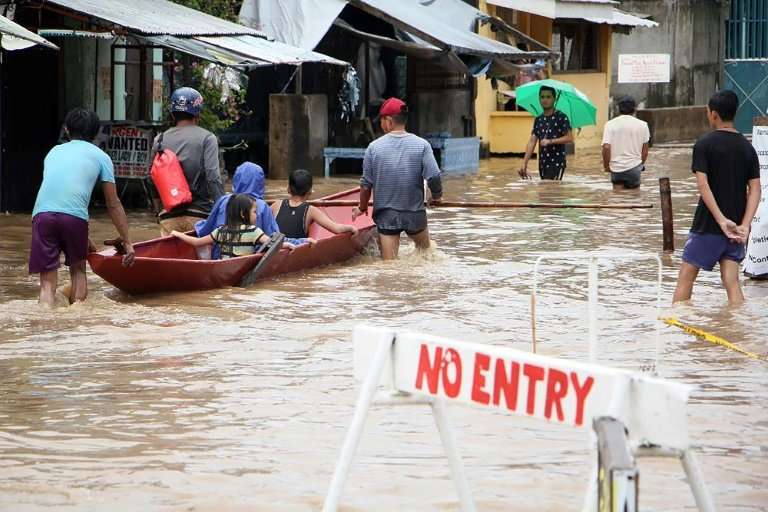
239	399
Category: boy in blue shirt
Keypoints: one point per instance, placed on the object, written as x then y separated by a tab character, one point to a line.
60	216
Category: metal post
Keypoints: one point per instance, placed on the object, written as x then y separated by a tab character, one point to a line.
618	476
618	400
696	481
665	192
533	301
657	334
592	285
299	80
454	461
364	400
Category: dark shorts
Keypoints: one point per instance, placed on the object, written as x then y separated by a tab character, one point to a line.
629	178
551	173
704	250
54	233
394	222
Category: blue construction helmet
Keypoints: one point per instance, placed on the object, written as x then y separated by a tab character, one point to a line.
186	99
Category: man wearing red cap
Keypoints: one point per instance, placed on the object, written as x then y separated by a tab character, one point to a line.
395	167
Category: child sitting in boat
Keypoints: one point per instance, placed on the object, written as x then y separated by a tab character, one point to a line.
239	236
294	215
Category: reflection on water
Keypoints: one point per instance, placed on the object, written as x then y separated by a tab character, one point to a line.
239	399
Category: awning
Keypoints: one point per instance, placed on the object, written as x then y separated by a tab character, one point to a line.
67	33
156	17
423	19
15	37
422	50
595	11
189	31
445	25
273	52
242	51
301	23
624	19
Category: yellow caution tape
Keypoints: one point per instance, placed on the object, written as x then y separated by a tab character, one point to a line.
717	340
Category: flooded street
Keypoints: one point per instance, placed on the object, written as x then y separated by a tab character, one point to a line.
237	399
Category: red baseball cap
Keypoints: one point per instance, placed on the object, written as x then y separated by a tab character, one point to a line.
393	107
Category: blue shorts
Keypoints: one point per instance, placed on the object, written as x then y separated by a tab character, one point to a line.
704	250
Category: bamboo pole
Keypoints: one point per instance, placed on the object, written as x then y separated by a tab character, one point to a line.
492	204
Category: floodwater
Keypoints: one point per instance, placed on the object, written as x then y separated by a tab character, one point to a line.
240	399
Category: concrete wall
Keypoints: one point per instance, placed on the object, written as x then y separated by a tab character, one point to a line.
439	112
298	132
595	86
690	31
675	123
510	131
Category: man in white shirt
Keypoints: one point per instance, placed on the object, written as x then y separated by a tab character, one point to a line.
625	145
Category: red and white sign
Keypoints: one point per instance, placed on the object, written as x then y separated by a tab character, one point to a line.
129	147
644	68
522	383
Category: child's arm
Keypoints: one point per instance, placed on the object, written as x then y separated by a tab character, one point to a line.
322	218
753	200
729	227
191	240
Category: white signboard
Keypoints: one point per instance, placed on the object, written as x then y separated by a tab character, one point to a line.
756	262
643	68
521	383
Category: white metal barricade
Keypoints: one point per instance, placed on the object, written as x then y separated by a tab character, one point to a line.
422	369
592	260
686	456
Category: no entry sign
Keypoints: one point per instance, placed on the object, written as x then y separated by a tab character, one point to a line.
521	383
419	368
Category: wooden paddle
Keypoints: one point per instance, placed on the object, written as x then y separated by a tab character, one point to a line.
493	204
272	248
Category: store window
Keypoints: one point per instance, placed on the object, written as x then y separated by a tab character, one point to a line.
131	82
577	43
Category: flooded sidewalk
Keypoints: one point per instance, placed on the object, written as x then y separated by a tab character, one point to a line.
238	399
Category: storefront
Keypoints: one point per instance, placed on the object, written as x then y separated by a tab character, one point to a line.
122	59
581	32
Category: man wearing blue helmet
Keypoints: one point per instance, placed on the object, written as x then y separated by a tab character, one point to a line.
198	152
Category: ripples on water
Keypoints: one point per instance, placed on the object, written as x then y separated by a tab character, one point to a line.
239	399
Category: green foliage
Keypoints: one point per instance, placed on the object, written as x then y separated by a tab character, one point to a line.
216	116
225	9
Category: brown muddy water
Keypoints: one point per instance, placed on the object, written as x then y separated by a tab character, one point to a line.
239	399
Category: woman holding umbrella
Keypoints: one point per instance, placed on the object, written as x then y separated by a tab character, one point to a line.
559	108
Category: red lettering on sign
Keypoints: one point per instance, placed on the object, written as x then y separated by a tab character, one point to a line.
482	363
534	374
557	388
581	390
507	385
429	370
451	387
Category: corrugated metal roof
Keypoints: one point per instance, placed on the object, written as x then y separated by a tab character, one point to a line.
623	19
273	52
206	51
243	51
420	20
16	37
157	17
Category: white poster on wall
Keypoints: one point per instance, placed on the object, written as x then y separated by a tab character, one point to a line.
756	262
643	68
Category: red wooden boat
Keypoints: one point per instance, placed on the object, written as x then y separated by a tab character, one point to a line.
170	265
